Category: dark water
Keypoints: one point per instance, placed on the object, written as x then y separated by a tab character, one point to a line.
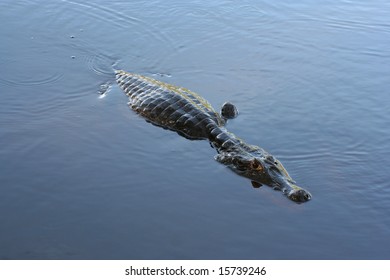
83	177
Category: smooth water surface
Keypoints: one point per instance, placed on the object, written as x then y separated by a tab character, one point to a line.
84	177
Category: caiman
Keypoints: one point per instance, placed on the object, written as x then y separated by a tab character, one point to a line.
190	115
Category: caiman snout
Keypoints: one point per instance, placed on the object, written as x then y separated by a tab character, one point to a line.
300	195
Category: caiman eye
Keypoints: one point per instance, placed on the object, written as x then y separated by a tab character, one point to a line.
256	165
270	159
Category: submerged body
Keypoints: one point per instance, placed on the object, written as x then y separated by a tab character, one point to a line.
191	116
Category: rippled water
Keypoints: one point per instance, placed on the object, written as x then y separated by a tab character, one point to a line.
83	177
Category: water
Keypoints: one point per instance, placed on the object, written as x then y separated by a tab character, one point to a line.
83	177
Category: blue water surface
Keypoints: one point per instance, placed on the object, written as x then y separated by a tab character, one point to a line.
84	177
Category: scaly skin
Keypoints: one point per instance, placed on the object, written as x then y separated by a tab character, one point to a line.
258	165
191	116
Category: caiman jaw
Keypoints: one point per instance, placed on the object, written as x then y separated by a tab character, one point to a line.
297	194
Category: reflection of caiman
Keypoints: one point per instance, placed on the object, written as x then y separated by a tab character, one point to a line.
191	116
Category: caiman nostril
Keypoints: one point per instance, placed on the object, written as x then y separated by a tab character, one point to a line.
306	196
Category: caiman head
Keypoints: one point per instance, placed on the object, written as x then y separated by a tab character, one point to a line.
263	168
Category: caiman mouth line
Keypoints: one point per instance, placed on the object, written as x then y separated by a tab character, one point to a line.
190	115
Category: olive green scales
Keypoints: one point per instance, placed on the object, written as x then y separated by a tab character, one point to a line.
193	117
